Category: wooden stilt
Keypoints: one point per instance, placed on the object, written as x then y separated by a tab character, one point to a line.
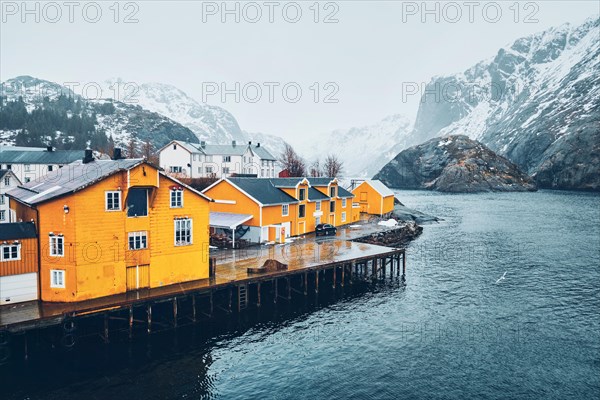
276	291
343	273
211	304
130	321
316	281
175	311
193	308
333	276
289	288
149	312
105	327
25	346
230	298
306	283
403	263
258	294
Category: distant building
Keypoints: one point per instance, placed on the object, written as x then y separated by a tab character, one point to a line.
284	173
31	163
202	160
374	197
110	226
8	180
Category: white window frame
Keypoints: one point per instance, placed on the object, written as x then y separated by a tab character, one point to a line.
60	240
332	189
2	215
208	169
344	216
318	206
177	204
27	167
10	258
140	238
7	181
2	200
226	158
285	210
112	192
302	197
57	278
176	224
343	203
174	169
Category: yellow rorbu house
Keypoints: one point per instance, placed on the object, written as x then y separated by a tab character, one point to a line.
109	226
282	207
374	197
18	262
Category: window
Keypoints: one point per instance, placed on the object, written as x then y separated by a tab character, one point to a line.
2	199
344	217
2	215
57	246
10	252
27	167
175	169
262	172
176	198
302	194
50	168
138	240
318	206
332	206
174	147
8	166
137	203
332	191
285	210
209	170
227	159
7	181
301	211
225	170
208	158
343	203
199	170
113	201
57	278
183	232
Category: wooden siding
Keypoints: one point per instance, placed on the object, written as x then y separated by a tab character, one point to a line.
28	262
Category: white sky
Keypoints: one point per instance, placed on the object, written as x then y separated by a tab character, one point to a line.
368	54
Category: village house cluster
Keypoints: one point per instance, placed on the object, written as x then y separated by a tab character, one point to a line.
83	227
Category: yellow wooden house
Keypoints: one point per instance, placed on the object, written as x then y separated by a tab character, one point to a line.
374	197
282	207
109	226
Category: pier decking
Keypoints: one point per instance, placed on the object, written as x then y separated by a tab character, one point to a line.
311	262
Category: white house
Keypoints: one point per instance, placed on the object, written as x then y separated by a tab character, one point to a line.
32	163
8	180
200	160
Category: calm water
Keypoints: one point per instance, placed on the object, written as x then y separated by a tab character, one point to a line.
452	332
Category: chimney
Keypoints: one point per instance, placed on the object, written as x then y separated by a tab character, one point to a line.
49	149
249	143
89	156
203	144
117	154
233	143
257	144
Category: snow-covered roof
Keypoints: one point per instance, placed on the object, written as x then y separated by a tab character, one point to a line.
380	188
228	220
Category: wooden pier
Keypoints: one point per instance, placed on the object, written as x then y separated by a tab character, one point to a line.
231	291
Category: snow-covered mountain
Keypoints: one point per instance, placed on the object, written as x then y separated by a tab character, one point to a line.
364	150
210	123
537	102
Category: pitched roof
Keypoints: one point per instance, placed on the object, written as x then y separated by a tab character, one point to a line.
380	188
18	230
226	149
343	192
262	190
286	182
320	181
316	195
3	172
71	178
37	156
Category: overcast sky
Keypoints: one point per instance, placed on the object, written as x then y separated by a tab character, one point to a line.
366	51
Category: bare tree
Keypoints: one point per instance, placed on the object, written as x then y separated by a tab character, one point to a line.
315	169
131	150
148	152
291	161
333	166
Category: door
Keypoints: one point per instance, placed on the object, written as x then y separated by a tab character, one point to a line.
364	202
18	288
138	277
301	228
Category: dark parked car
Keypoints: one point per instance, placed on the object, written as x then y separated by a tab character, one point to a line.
325	229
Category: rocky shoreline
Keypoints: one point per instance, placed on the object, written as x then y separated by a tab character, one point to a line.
397	237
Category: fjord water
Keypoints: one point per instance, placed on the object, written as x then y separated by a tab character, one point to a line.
453	331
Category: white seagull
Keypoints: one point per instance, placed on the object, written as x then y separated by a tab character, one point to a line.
502	277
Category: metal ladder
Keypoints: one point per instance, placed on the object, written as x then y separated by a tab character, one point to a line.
242	297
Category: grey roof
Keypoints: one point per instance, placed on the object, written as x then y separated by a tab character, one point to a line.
17	230
320	181
380	188
35	156
69	179
227	149
286	182
315	195
3	172
343	192
262	190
